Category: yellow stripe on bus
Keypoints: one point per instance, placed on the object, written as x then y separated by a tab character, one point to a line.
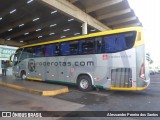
128	89
37	79
139	39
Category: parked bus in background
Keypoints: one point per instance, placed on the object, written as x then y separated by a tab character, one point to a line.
113	59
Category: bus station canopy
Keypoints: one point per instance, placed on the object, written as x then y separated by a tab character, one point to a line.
33	21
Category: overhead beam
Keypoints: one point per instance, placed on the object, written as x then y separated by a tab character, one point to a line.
11	43
72	1
73	11
122	21
113	14
102	5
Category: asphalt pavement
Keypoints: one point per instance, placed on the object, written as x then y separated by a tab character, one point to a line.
75	100
147	100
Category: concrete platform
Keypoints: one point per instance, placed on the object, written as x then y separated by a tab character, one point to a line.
44	89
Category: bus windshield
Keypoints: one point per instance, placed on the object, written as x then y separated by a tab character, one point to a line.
17	56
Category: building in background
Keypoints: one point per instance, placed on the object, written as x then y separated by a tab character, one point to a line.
5	53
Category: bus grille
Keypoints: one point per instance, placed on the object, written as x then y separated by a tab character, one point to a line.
121	77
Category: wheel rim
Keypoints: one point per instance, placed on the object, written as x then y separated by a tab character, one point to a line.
84	84
23	76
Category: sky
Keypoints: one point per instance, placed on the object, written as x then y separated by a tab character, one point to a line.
148	12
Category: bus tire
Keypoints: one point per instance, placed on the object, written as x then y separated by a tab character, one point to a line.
84	83
23	75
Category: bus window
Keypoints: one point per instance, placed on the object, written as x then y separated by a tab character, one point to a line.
65	48
73	47
42	50
24	54
57	51
130	39
17	56
88	47
120	42
80	47
29	52
110	44
50	50
39	51
99	45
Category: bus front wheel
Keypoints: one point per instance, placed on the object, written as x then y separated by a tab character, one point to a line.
84	83
23	75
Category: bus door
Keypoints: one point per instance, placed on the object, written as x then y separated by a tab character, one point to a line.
36	66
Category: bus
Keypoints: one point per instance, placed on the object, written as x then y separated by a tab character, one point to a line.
114	60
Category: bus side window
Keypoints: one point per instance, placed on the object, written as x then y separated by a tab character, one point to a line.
80	43
88	46
57	49
29	52
99	45
37	51
42	51
73	47
65	48
50	50
120	43
130	39
110	44
117	43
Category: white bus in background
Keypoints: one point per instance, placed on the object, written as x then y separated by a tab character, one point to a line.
114	60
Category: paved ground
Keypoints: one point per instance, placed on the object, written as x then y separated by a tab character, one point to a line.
147	100
75	100
118	100
41	88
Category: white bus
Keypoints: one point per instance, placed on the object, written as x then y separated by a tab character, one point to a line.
113	60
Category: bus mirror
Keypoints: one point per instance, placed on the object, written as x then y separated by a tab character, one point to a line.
11	59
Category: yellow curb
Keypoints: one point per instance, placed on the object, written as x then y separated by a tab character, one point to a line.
55	92
20	88
43	93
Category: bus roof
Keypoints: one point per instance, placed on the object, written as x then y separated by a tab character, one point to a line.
87	36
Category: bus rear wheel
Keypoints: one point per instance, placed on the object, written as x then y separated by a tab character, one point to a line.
23	75
84	83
